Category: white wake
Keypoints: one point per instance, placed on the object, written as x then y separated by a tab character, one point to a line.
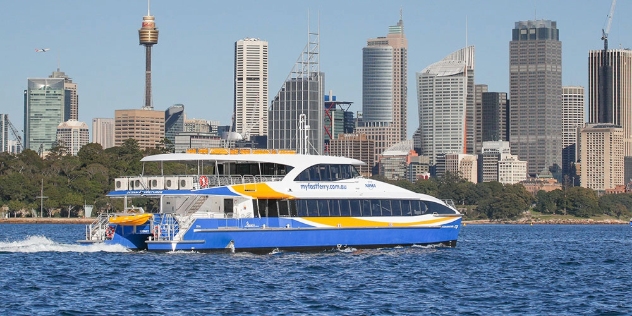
43	244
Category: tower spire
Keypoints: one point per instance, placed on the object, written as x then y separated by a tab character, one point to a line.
148	36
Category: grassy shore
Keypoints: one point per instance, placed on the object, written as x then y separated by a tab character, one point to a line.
539	218
45	220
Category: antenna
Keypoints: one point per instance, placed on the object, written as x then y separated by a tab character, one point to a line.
466	31
148	2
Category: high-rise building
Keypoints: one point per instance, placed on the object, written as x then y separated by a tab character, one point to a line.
601	156
103	132
463	165
572	119
71	98
72	135
174	122
338	118
384	88
478	119
535	89
251	87
296	115
44	109
442	93
146	126
148	37
4	133
611	101
494	116
356	146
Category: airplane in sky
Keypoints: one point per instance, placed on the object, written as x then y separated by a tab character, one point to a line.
43	50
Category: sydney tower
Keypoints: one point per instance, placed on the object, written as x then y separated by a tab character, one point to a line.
148	37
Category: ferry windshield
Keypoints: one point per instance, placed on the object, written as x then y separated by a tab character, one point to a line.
328	172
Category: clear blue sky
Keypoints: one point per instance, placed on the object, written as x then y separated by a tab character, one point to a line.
97	45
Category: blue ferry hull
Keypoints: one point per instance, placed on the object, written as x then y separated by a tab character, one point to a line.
210	235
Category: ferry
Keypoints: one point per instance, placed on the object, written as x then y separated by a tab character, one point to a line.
261	200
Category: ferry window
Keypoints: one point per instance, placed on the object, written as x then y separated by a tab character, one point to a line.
255	208
366	207
334	171
354	172
416	208
273	209
345	172
303	176
262	206
396	207
424	207
293	210
284	208
344	208
334	207
386	208
302	207
375	208
312	208
323	171
439	208
323	208
313	173
356	210
406	207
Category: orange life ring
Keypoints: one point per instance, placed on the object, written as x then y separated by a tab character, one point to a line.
109	232
156	232
203	181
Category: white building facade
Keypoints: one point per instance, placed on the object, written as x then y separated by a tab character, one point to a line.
251	87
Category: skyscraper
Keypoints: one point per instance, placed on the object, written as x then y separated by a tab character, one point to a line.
71	98
44	109
103	132
601	156
442	92
72	135
251	87
297	112
146	126
478	119
494	116
572	119
535	88
4	133
174	122
384	92
611	102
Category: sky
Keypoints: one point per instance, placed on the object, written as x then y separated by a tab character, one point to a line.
96	44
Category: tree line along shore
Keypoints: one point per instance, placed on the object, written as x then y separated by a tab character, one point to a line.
69	182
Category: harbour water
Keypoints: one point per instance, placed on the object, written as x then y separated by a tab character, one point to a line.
495	269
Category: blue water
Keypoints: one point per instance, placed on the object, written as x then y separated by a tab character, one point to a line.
495	269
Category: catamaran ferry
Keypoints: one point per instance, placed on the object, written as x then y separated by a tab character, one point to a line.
262	200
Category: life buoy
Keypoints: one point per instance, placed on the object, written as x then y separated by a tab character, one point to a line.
156	232
203	181
109	232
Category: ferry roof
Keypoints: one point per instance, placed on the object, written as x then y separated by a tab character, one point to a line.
285	159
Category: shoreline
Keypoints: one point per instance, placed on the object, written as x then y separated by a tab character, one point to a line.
559	221
46	220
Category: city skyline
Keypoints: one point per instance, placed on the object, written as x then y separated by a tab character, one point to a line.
194	64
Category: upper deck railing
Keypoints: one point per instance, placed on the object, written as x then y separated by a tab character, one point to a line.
187	182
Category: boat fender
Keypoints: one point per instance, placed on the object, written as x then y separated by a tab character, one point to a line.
156	232
109	232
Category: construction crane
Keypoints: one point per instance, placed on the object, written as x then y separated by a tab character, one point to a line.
604	32
15	133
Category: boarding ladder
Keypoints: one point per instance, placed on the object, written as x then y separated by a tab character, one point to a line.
96	230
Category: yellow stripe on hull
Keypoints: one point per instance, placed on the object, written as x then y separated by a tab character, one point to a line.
131	220
259	191
357	222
